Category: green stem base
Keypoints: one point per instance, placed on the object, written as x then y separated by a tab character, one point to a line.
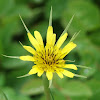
46	87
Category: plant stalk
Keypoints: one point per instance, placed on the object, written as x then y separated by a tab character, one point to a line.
46	87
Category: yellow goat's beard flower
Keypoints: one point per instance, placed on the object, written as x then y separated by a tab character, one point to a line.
49	58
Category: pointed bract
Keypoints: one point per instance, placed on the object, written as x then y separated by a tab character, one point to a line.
50	18
24	24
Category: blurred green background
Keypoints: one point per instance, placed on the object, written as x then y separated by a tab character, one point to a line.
35	13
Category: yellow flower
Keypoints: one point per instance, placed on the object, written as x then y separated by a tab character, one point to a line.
49	58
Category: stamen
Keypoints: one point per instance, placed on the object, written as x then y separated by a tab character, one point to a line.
11	56
80	76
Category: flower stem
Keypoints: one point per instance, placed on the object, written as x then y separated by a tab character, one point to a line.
46	87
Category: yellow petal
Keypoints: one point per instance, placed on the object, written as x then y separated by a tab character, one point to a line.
33	41
38	37
68	48
27	58
49	34
33	71
59	74
61	40
70	66
68	73
40	72
29	49
49	75
54	39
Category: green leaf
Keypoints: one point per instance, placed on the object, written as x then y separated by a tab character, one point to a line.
2	96
76	88
12	25
2	79
32	87
86	17
79	98
1	47
95	37
95	87
97	74
8	31
5	6
86	51
22	1
10	93
23	10
87	14
12	75
37	1
58	95
23	97
13	15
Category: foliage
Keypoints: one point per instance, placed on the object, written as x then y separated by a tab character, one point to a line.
36	14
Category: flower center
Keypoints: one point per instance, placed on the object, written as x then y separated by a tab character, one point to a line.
49	58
